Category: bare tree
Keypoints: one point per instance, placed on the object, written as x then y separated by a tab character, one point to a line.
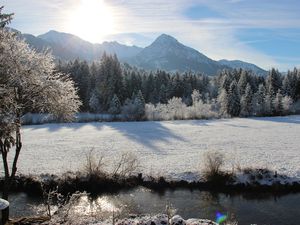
28	82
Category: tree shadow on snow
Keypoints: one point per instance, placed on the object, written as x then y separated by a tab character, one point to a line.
146	133
279	119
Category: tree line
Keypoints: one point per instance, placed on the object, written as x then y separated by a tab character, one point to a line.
107	86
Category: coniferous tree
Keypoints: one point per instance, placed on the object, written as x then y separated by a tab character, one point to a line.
115	106
243	82
94	102
234	106
259	101
163	97
273	82
223	102
110	80
139	102
278	104
246	102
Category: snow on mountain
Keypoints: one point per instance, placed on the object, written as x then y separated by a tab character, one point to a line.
168	54
236	64
164	53
69	47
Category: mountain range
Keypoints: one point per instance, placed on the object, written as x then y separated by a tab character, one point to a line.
164	53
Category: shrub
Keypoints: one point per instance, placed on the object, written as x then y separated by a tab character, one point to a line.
213	162
94	167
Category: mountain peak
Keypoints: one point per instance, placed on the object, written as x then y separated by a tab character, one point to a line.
165	38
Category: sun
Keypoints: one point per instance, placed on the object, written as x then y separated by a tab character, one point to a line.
91	20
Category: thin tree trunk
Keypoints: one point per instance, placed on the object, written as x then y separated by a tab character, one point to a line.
18	149
6	186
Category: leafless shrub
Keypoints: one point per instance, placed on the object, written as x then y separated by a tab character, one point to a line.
126	165
64	213
94	166
213	162
52	199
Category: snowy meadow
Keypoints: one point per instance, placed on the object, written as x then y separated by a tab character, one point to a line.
172	149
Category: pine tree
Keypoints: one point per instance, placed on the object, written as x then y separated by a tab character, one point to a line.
5	19
246	102
273	82
259	101
223	102
94	102
226	81
287	103
269	105
115	105
289	84
110	80
196	97
278	105
243	82
234	106
139	102
163	94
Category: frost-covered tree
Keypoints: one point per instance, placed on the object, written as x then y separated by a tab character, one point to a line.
234	106
246	102
278	104
134	108
163	94
176	108
223	102
243	81
287	103
115	105
94	102
289	84
259	101
269	105
139	102
273	82
109	80
28	82
196	97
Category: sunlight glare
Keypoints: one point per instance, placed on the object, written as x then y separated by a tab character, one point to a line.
91	20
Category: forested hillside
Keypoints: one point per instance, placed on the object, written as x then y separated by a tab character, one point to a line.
109	86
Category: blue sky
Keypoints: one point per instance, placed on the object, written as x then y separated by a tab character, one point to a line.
264	32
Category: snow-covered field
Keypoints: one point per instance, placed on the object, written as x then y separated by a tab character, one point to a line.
165	148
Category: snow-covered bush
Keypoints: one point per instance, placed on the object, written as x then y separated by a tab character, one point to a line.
134	109
176	109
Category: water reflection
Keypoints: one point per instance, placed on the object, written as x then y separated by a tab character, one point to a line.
246	209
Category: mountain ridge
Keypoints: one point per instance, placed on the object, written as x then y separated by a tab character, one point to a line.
165	53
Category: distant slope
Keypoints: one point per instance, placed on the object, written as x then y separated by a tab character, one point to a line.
164	53
168	54
69	47
236	64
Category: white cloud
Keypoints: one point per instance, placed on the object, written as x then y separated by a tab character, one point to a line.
217	38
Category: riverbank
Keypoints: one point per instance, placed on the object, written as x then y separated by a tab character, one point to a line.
248	180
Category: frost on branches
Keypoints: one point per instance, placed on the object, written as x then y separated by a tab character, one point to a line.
28	83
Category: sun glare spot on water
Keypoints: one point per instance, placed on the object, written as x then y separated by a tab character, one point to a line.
91	20
101	205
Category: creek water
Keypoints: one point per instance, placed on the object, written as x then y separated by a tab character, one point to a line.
246	208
